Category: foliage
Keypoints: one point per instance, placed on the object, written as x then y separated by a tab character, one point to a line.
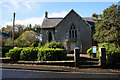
89	51
18	30
54	44
5	50
21	42
49	54
8	42
111	48
107	26
112	52
14	54
40	44
29	54
29	36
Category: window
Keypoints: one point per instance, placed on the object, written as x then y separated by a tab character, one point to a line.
72	32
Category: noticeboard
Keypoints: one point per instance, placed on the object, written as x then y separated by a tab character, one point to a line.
94	49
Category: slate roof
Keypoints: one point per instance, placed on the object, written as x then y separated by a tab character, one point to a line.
52	22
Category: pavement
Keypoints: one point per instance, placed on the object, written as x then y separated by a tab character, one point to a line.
57	68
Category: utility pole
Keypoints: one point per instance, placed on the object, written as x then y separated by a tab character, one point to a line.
13	30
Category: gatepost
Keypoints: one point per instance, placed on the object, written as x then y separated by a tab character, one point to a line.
102	52
76	56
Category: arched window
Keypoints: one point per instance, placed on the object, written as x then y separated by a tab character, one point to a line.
72	32
50	36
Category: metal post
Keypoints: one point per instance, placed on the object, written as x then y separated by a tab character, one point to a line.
76	56
13	30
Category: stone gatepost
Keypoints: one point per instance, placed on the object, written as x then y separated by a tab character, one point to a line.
76	56
102	52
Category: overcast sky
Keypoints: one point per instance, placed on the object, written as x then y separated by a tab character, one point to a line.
32	11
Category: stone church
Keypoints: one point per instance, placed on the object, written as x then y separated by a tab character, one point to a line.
72	31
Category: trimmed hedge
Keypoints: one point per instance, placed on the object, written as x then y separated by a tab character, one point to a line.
51	51
54	44
14	54
50	54
5	50
29	54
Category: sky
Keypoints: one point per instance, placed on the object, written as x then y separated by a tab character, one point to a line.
33	11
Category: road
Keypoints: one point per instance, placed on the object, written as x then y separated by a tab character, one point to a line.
12	73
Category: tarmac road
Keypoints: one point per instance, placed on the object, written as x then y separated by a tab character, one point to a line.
12	73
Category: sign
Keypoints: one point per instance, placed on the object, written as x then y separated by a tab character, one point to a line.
94	49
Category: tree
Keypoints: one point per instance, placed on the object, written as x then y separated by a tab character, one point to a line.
29	36
107	25
21	42
8	42
19	29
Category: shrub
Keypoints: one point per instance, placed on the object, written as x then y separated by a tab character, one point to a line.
14	54
5	50
54	44
50	54
29	54
112	52
40	44
89	51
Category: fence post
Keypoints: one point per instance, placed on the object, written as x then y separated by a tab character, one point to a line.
102	52
76	56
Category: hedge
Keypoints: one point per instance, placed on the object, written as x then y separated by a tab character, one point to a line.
14	54
51	51
5	49
51	54
54	44
29	54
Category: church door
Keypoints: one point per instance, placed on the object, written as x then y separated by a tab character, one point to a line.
72	46
50	36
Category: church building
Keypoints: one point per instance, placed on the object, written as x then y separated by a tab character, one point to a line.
72	31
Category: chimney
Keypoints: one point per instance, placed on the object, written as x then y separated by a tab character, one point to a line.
46	14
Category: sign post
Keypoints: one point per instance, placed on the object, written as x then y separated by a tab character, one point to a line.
94	51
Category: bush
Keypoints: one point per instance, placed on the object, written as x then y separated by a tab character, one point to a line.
54	44
50	54
5	50
112	52
89	51
40	44
14	54
29	54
